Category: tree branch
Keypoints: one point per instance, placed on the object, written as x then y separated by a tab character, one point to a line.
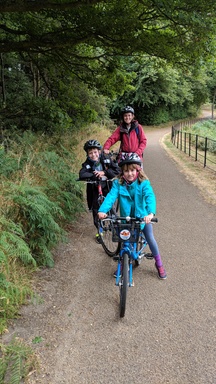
38	5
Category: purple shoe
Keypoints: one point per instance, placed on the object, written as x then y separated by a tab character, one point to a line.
161	272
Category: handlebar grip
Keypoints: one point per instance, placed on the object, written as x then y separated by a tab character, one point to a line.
154	220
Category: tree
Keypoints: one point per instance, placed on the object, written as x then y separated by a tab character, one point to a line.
174	30
210	68
85	42
161	92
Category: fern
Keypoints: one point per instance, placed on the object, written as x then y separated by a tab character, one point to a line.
13	246
11	297
38	217
8	164
16	362
39	196
11	243
2	257
59	182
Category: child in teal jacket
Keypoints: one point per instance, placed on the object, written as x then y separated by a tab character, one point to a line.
136	199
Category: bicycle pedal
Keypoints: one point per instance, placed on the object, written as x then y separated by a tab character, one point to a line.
137	262
149	256
115	257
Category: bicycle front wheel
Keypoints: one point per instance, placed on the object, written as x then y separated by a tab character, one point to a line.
124	284
111	248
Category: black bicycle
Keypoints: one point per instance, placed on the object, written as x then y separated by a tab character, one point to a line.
105	231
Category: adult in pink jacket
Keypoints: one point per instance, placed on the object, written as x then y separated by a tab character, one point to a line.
130	133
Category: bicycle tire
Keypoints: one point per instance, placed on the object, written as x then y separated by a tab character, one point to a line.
111	248
124	284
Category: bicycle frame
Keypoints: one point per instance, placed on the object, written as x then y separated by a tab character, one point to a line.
131	248
98	184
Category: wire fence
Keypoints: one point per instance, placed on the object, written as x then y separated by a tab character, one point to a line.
202	149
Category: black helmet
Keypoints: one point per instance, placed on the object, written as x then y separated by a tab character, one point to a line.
91	144
129	158
127	109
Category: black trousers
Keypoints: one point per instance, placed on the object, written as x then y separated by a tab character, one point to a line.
92	200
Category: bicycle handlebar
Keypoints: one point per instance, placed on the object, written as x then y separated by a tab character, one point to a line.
103	178
129	219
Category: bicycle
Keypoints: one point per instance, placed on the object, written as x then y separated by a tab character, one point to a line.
127	232
106	230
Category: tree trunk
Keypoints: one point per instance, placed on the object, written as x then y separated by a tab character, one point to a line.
213	103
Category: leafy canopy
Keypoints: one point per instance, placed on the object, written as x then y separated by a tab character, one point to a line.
70	54
168	29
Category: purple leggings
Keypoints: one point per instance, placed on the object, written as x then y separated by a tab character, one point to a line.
148	232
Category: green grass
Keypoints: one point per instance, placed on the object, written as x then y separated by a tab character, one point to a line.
206	128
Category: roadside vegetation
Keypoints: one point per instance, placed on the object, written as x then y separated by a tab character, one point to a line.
204	129
39	198
203	178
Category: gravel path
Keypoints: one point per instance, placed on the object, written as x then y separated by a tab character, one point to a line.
168	334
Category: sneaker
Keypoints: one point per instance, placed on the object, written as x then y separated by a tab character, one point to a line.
161	272
98	239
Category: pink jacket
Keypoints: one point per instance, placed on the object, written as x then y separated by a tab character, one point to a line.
132	141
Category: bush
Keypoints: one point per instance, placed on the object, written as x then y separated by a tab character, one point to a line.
14	252
39	196
37	215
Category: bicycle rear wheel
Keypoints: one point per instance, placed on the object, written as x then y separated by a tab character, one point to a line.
111	248
124	284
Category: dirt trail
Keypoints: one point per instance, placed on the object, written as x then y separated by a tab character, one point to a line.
168	333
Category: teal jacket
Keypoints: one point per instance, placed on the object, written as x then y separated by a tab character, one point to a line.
142	204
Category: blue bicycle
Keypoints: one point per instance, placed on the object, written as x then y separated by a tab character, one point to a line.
127	232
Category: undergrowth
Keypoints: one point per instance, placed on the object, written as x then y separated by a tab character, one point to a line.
39	197
17	361
203	129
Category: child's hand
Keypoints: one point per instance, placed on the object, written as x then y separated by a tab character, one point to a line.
102	215
99	174
148	218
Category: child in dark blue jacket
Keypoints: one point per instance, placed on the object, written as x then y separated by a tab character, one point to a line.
96	167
